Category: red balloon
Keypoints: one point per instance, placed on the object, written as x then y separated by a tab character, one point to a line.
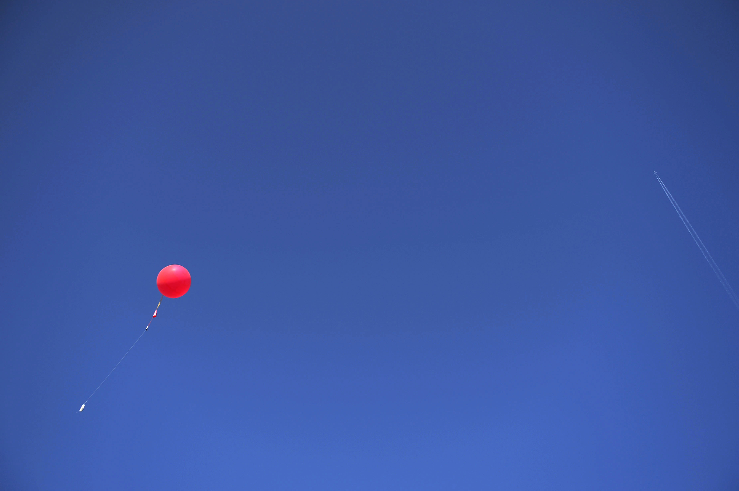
174	281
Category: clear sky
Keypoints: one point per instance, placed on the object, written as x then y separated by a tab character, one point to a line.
427	246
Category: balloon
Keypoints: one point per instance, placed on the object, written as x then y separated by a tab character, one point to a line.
173	281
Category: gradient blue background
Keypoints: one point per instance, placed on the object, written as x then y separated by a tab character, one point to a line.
427	247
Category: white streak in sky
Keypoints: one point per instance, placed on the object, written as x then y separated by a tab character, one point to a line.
701	246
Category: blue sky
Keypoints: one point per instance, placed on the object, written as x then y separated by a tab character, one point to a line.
427	247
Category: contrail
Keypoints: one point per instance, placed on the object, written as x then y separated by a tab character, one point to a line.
701	246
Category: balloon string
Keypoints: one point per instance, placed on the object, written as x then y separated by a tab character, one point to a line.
129	350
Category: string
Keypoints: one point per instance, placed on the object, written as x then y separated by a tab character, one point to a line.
129	350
